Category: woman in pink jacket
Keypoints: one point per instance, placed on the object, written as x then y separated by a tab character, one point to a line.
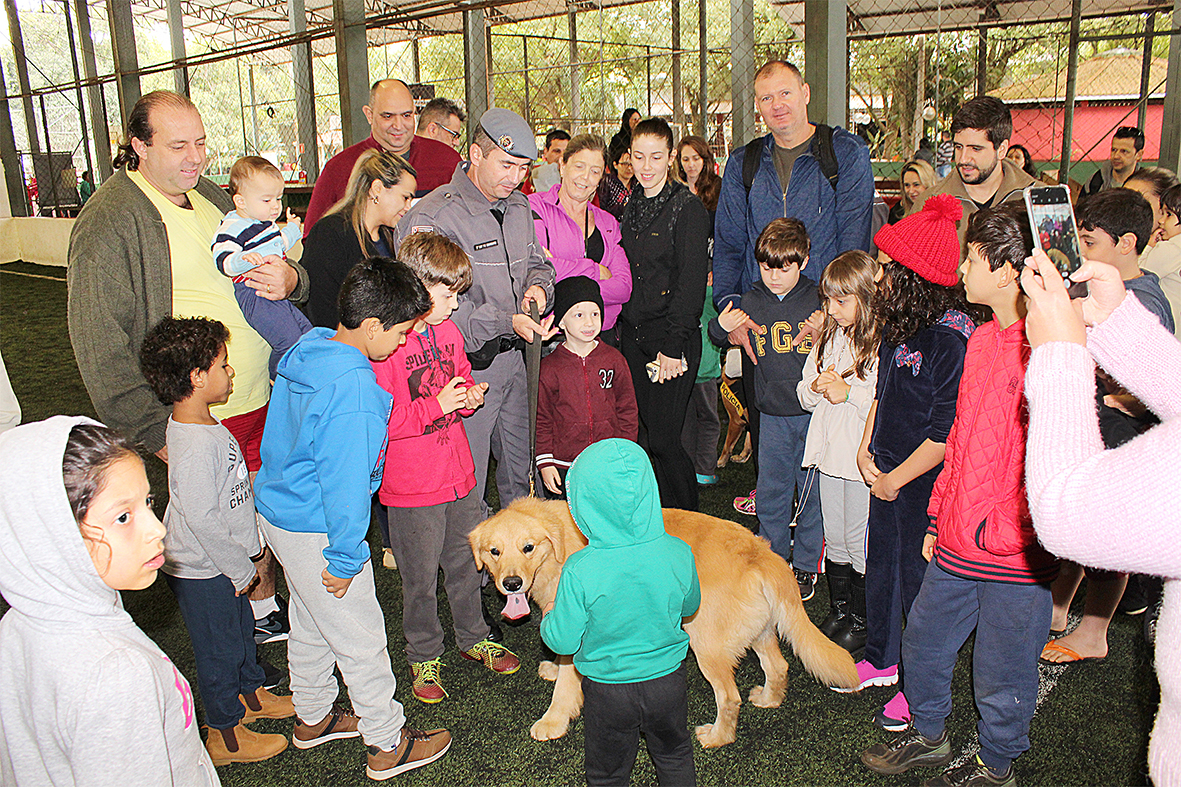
1118	509
583	239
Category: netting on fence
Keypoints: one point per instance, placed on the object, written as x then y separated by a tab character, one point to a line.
578	65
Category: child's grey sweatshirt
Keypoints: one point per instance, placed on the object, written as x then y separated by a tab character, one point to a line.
210	518
85	697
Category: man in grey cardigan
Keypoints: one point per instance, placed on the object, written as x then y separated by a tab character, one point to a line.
137	253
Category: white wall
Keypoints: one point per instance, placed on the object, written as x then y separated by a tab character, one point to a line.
45	241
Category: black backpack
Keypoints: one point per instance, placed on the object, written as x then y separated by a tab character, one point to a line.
821	148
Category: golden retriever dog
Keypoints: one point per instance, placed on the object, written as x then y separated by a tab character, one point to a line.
749	599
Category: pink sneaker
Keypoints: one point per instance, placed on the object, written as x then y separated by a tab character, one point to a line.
869	675
895	715
745	505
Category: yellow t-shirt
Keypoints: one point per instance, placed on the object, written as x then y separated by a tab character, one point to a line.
200	290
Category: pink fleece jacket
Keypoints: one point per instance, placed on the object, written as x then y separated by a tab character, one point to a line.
1117	509
561	237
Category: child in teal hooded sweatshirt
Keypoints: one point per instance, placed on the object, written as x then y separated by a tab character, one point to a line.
619	609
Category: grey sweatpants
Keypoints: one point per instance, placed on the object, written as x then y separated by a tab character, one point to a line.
328	632
501	427
844	506
423	540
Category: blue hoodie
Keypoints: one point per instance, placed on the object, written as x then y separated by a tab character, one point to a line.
621	598
323	447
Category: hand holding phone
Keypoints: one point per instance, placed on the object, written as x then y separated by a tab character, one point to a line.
1051	218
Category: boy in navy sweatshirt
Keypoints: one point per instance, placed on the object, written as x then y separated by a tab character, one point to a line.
780	304
323	453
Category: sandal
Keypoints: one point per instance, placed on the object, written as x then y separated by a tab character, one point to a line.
1072	656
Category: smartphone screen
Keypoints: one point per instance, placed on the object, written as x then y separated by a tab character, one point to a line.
1051	218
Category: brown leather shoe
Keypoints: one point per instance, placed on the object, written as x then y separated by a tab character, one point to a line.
416	749
264	705
242	744
339	723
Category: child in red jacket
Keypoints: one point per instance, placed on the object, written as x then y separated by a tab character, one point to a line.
987	572
586	392
429	475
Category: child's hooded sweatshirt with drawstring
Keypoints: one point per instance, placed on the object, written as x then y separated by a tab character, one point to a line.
621	598
85	697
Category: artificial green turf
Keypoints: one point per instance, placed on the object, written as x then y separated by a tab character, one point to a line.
1092	729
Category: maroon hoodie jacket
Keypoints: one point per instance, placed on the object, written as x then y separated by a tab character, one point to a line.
581	401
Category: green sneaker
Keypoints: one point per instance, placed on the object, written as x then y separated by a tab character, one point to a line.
494	656
908	750
427	686
973	774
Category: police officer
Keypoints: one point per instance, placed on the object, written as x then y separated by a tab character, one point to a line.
482	210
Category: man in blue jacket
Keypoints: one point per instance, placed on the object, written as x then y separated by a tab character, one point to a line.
790	182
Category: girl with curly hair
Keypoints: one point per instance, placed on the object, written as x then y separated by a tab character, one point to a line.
922	314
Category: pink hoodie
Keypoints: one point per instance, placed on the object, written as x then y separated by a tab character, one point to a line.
1117	509
428	460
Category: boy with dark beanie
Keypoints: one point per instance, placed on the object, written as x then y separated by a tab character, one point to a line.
586	392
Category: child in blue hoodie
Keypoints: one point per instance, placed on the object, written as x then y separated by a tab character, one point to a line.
323	452
619	608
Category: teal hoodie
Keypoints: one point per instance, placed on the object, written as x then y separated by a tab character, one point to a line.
323	447
621	598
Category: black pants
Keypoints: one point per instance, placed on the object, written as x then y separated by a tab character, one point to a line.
614	715
662	408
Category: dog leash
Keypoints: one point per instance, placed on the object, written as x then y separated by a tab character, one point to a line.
533	382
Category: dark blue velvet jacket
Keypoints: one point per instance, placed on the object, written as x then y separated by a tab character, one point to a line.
918	382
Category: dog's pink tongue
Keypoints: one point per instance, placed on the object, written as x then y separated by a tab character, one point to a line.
517	606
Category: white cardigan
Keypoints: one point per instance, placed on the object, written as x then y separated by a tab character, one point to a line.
1164	259
835	431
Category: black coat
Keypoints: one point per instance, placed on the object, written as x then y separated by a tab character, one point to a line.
330	251
670	263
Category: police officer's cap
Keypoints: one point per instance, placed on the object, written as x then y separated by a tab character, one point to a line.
510	132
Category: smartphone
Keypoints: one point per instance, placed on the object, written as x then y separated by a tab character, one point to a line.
1051	218
653	368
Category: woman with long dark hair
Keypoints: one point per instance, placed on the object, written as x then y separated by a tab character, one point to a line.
696	168
665	234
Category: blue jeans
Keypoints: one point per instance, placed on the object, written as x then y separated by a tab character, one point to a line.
221	626
1011	622
781	478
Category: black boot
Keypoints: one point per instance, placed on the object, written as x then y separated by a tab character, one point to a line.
852	637
839	590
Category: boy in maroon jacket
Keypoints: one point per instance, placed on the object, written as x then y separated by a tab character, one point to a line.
429	478
987	571
586	392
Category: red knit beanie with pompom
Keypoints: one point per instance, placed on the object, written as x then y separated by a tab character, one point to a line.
927	241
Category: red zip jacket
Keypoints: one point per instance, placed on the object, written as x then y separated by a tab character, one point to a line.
428	460
581	401
979	512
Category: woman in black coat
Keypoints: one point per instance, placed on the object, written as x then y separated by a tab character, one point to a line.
665	234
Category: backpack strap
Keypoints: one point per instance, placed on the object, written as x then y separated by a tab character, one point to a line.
751	161
822	149
825	155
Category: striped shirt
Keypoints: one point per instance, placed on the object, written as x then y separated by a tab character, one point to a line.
238	236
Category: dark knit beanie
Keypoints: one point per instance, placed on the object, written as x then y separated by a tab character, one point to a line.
927	241
574	290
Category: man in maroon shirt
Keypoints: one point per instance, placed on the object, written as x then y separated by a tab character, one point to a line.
391	117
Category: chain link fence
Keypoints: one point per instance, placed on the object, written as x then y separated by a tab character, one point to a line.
578	66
